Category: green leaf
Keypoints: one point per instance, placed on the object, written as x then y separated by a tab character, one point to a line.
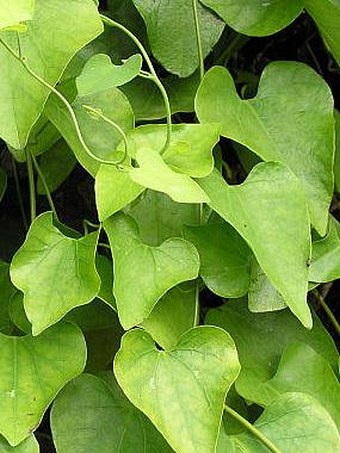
53	267
3	183
171	33
301	369
173	315
293	422
45	55
100	74
34	370
155	174
104	268
224	255
89	402
11	15
56	166
325	264
143	274
29	445
290	121
182	391
337	151
7	290
261	339
257	209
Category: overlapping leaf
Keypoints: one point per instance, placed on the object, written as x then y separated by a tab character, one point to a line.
182	391
12	15
257	209
143	274
29	445
290	120
33	370
55	272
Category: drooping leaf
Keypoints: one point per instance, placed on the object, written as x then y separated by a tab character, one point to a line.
46	56
7	290
173	315
261	339
293	422
12	15
55	272
280	243
3	183
29	445
89	402
290	121
182	391
100	74
224	256
325	264
33	370
171	33
143	274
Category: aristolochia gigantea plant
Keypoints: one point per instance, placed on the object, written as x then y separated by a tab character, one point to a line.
165	279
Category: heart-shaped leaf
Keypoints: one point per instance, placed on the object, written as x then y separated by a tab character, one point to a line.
100	74
143	274
55	272
290	121
29	445
261	339
225	258
11	15
89	402
182	391
257	209
44	54
33	370
171	28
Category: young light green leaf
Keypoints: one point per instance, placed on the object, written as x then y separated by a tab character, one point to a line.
325	264
155	174
99	74
33	371
171	28
143	274
12	15
289	121
3	183
182	391
44	54
225	258
280	243
261	339
293	422
173	315
89	402
29	445
55	272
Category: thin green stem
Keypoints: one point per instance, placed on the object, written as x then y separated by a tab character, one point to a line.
151	76
68	106
260	436
19	195
198	39
31	185
327	310
45	185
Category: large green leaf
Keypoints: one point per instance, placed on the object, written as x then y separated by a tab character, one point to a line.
257	209
290	121
225	258
143	274
89	402
261	339
55	272
29	445
33	370
325	264
171	32
182	391
11	15
293	422
22	97
7	290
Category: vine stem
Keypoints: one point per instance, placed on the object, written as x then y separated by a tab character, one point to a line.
260	436
31	185
152	76
327	310
198	39
68	106
44	183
